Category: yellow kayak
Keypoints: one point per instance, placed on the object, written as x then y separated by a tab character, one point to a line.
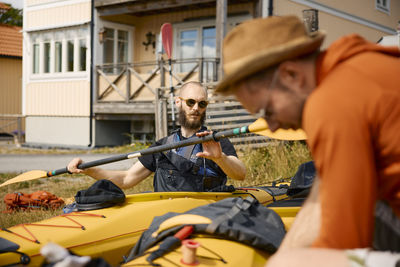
111	232
211	252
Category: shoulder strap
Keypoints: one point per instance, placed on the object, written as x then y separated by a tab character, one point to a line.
188	150
240	205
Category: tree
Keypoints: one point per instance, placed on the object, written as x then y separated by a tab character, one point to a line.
12	16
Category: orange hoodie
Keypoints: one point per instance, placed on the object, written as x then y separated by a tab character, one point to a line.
352	120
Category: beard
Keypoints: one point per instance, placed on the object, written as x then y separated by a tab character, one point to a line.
185	122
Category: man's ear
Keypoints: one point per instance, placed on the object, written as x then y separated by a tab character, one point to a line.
177	101
292	74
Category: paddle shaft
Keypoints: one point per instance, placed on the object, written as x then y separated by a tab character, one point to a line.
190	141
171	94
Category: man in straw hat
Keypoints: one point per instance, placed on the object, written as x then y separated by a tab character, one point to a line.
347	100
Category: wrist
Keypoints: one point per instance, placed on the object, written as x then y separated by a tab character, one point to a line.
221	158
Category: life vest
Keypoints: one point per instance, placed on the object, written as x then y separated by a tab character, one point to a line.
185	172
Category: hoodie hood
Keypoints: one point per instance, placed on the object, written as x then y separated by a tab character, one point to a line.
345	48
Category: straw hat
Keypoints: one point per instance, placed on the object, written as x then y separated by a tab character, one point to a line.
261	43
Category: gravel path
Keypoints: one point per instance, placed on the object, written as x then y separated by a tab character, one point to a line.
10	163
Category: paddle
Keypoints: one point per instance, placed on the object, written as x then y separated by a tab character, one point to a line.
260	127
166	36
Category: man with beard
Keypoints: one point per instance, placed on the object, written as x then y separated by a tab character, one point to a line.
201	167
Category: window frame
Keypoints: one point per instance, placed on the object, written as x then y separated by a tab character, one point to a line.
117	27
381	7
200	24
62	36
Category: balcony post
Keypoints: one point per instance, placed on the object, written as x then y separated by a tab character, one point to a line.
162	73
128	84
222	7
201	64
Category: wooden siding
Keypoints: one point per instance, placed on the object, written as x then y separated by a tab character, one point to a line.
337	27
58	16
38	2
10	86
10	92
153	24
67	98
367	11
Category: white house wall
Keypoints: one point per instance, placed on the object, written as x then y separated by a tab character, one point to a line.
336	25
57	131
44	14
56	104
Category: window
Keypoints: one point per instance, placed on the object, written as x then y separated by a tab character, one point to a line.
35	59
208	51
58	57
122	46
197	39
46	58
383	5
59	51
70	55
82	54
115	49
188	41
108	46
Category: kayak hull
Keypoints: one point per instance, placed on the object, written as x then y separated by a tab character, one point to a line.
110	233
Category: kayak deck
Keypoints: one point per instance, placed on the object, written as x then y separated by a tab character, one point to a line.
110	233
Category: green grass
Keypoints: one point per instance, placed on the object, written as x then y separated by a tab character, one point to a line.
264	165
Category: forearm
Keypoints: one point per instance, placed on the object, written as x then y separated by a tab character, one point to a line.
305	228
231	166
117	177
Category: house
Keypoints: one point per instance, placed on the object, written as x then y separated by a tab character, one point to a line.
11	119
95	73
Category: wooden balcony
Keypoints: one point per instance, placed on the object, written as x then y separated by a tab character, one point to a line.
131	88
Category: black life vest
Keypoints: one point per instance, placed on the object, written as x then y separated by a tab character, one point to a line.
178	173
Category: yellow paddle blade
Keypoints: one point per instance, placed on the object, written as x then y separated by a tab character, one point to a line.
260	127
26	176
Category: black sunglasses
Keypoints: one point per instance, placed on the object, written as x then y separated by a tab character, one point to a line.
190	102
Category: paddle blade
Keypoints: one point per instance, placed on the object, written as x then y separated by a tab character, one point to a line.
26	176
260	127
166	36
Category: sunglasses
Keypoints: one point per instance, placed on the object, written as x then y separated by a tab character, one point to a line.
190	102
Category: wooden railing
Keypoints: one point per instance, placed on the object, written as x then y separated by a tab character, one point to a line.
12	126
126	82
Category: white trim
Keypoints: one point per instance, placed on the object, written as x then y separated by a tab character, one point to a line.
52	55
56	27
345	15
64	55
41	53
265	7
81	76
58	3
77	57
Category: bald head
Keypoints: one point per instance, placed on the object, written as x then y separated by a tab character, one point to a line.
193	90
